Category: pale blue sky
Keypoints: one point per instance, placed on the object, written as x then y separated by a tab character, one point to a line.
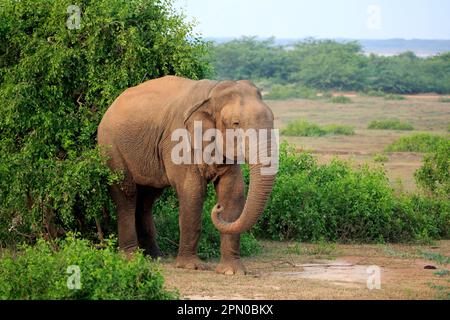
424	19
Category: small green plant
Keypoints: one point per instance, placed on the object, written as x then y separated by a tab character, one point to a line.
339	129
281	92
341	100
442	273
381	158
434	175
321	248
303	128
444	100
327	95
375	93
421	142
390	124
443	292
394	97
436	257
42	272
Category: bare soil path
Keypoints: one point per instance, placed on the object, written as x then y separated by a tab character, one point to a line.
309	271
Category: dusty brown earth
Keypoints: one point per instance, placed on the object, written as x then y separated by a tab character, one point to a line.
309	271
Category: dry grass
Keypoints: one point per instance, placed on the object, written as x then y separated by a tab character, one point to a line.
424	112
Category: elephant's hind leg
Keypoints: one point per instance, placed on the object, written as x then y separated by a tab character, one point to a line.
125	200
145	224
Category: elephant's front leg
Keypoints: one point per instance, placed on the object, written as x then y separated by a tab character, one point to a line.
230	194
191	197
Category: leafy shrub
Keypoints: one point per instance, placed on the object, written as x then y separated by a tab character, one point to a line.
379	157
41	272
390	124
55	85
334	202
339	129
166	220
341	100
434	175
394	97
375	93
303	128
444	100
280	92
421	142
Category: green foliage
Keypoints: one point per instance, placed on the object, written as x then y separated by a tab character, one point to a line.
390	124
320	249
341	100
395	97
248	58
380	157
55	85
280	92
375	93
334	202
166	220
303	128
444	100
327	64
40	272
442	273
434	175
436	257
420	142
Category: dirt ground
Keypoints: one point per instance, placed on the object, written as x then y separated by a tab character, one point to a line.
316	271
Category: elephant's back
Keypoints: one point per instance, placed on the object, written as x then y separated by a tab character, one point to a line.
148	104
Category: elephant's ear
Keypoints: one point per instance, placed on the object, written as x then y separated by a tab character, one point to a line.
199	98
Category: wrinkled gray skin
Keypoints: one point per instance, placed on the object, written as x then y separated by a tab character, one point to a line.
136	135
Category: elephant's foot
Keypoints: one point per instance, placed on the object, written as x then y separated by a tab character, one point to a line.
231	267
154	252
191	263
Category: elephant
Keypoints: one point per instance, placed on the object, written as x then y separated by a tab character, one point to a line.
136	136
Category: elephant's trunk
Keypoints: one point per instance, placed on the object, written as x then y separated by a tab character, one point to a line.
259	191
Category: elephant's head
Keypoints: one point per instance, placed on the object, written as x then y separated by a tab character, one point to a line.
238	105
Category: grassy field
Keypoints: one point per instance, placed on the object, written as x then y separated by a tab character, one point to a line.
426	113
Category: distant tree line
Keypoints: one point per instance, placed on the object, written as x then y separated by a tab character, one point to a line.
328	64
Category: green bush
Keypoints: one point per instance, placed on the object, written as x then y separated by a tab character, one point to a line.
280	92
444	100
303	128
334	202
380	157
341	100
421	142
375	93
434	175
55	85
390	124
41	272
394	97
166	220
